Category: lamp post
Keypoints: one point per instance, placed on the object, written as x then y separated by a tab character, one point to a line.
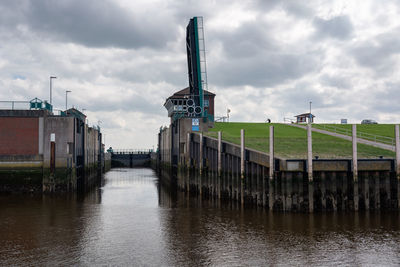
51	78
66	98
310	112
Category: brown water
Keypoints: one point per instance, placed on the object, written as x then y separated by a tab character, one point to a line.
131	220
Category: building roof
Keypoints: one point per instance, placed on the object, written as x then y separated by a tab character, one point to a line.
305	115
75	113
186	91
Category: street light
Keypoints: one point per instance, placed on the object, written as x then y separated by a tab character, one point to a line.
66	98
51	78
310	112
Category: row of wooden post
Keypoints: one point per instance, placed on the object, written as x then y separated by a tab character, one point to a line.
271	154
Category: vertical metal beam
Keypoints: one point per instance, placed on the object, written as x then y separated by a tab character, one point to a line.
271	152
355	159
309	153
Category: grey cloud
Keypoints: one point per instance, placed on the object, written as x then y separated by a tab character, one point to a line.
340	82
377	53
299	9
251	56
149	71
91	23
382	100
297	98
133	103
264	70
339	27
247	41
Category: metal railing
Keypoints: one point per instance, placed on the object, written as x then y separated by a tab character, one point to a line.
34	104
14	105
363	135
130	151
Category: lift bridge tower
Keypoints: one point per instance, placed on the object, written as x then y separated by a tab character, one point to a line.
192	108
195	101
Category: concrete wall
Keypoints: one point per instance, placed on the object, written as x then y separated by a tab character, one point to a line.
172	143
107	162
63	128
333	187
25	149
92	146
165	145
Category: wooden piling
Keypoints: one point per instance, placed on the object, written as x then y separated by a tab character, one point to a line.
310	169
271	152
397	139
355	167
219	167
309	153
200	162
355	162
219	152
188	150
242	170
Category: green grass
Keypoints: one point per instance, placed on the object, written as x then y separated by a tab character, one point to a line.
377	129
384	130
291	142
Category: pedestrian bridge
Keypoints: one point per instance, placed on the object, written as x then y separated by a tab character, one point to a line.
130	157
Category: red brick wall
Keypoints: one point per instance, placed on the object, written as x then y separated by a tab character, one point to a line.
19	136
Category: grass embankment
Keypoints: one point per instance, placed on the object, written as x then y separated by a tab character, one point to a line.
291	142
386	130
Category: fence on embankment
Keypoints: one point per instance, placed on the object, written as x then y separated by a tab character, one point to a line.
210	167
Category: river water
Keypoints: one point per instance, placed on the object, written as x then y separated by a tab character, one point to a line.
132	220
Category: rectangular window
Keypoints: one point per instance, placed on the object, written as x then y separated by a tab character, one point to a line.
206	103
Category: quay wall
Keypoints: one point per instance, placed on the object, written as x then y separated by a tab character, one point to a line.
41	152
207	167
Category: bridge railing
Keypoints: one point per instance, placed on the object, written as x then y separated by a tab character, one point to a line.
130	151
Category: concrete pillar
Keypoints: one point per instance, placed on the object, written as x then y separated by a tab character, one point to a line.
397	136
242	170
242	153
309	153
271	169
219	153
271	152
219	167
355	167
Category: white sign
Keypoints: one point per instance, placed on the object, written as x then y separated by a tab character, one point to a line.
195	122
52	137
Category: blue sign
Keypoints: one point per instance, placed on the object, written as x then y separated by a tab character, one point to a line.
195	125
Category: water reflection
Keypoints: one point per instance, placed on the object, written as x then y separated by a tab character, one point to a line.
134	220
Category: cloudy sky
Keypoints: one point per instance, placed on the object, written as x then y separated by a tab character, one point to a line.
266	59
